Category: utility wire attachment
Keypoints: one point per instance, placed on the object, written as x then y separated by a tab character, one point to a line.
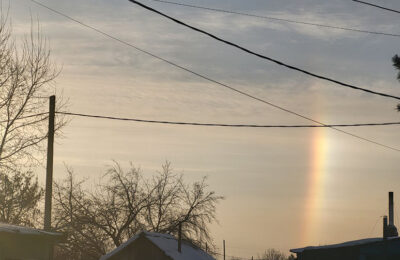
264	57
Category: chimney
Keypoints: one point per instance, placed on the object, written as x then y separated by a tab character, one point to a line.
391	211
180	238
389	229
385	227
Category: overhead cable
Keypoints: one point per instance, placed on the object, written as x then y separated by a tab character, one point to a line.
377	6
25	117
263	56
223	125
271	18
212	80
205	124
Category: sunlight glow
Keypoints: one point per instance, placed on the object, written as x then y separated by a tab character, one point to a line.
315	184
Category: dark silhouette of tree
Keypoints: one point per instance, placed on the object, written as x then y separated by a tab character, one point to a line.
291	257
125	203
396	64
26	74
273	254
270	254
20	194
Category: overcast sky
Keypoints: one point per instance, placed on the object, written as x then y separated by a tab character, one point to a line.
284	188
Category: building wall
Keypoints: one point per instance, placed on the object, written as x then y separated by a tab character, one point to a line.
388	250
347	253
23	247
140	249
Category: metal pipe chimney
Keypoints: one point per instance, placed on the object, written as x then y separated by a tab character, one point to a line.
391	210
385	227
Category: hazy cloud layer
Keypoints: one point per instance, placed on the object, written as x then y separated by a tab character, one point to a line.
263	172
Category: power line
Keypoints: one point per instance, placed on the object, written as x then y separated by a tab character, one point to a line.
278	19
222	125
377	6
212	80
263	56
206	124
26	117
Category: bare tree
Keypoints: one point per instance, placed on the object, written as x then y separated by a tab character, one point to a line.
26	74
396	64
273	254
126	203
291	257
20	194
160	213
72	210
173	202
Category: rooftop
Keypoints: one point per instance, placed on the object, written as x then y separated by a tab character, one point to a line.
345	244
169	245
7	228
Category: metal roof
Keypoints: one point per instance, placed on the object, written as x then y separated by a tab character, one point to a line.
7	228
359	242
168	244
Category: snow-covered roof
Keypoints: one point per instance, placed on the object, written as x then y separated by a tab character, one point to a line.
25	230
169	245
345	244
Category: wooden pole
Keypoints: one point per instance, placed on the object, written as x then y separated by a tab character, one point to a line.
224	249
180	238
49	169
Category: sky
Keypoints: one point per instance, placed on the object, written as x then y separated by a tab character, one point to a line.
284	188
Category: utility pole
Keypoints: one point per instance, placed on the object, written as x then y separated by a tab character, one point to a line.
180	238
224	249
49	169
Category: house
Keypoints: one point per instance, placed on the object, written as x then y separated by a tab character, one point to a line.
364	249
156	246
386	247
23	243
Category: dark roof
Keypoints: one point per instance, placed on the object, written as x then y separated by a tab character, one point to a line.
167	244
7	228
360	242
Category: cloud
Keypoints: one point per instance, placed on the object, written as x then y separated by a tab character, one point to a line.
102	76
